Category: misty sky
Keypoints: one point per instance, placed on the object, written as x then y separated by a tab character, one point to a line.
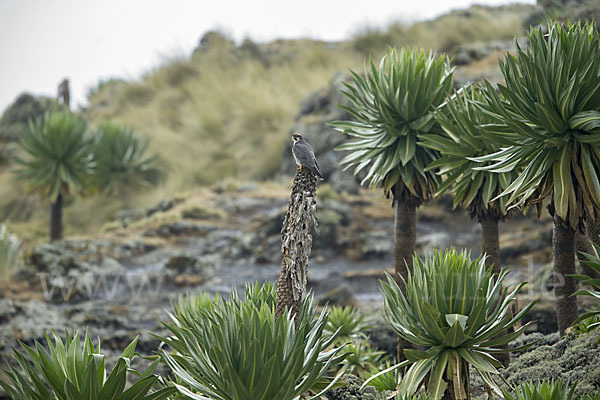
42	41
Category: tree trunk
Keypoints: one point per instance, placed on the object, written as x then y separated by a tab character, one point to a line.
56	226
296	243
490	242
563	249
490	245
405	239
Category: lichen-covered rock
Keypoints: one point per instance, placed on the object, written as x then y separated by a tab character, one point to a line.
352	391
572	358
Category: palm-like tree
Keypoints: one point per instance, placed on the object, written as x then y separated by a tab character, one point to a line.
58	160
464	137
392	105
549	121
121	159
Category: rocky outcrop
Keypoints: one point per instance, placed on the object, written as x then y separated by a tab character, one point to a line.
25	107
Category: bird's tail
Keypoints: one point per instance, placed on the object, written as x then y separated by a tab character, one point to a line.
318	173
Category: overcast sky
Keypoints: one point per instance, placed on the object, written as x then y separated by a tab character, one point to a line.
42	41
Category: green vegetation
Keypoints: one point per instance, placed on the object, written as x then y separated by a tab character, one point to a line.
590	319
75	370
235	349
543	390
59	161
463	138
120	159
457	309
549	122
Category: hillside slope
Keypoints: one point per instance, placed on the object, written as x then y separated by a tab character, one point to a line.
225	111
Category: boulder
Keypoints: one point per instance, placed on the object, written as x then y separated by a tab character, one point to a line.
186	264
340	296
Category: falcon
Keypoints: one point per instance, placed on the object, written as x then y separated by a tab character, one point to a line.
304	155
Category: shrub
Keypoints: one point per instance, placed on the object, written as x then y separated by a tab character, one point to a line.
236	350
74	371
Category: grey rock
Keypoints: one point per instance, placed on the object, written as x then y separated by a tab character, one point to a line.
376	244
180	228
340	296
186	264
434	240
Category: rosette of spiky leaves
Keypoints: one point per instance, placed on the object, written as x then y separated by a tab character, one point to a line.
74	370
237	350
459	311
391	105
58	154
542	390
348	322
464	136
361	358
592	262
548	120
121	159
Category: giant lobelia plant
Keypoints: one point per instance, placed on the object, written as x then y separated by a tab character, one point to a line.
121	159
391	105
458	311
58	160
548	121
464	136
74	370
237	350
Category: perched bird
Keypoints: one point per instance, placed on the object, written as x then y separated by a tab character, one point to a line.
304	155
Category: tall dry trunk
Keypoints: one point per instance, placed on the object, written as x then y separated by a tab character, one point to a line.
405	240
563	249
56	226
490	242
296	243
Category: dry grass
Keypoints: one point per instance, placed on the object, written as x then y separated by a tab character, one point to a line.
478	23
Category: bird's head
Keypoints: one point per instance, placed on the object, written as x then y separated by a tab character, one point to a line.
296	137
